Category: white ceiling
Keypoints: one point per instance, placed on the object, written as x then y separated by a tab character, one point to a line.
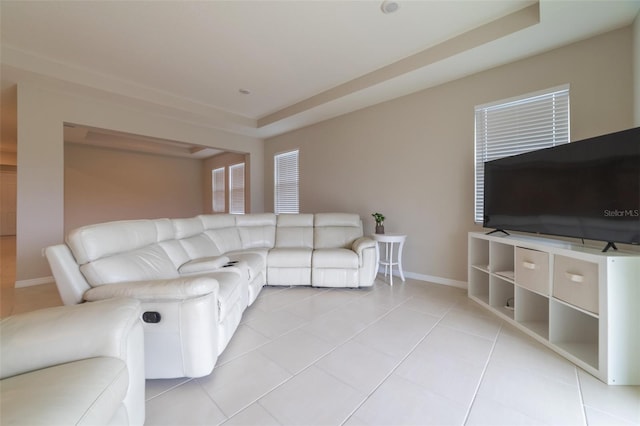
303	61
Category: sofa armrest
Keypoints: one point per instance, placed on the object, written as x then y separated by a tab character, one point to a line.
368	255
54	336
155	290
70	282
363	243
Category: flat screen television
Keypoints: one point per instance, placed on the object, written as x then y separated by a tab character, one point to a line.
588	189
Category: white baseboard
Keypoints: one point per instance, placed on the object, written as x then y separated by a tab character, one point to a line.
34	281
429	278
412	275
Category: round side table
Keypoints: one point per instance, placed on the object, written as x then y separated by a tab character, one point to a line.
388	262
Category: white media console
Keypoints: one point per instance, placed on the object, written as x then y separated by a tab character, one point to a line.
582	303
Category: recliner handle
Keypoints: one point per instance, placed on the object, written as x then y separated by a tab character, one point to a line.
151	317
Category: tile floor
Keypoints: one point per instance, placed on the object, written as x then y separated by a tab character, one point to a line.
411	354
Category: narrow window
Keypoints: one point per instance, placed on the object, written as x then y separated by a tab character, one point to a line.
218	185
286	183
236	189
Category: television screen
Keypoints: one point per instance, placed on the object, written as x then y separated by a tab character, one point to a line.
587	189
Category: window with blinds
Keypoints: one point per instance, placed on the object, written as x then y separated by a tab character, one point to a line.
286	183
236	189
515	126
218	190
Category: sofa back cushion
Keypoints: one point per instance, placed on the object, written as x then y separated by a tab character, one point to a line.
222	230
190	233
185	228
176	252
147	263
164	229
294	231
93	242
257	230
199	246
336	230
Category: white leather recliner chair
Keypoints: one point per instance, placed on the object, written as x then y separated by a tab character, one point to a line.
342	257
73	365
127	259
289	262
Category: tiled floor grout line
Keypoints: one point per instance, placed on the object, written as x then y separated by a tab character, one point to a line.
277	337
253	349
257	400
213	401
399	362
389	309
303	325
584	408
484	370
327	354
187	380
601	403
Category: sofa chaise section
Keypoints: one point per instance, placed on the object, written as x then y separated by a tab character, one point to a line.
289	261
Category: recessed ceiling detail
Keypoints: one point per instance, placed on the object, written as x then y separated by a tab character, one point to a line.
306	61
91	136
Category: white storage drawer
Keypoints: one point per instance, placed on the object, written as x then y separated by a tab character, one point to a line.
576	282
532	270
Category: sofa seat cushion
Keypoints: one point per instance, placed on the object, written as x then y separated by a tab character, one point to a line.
337	258
289	266
86	392
203	264
290	258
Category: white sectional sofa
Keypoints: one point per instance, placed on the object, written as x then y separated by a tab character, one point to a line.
73	365
195	276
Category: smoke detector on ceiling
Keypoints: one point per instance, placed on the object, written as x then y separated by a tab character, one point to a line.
389	6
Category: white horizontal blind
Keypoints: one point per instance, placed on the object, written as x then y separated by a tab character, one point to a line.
218	190
286	180
236	189
515	126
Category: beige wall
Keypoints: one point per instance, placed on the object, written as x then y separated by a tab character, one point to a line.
413	158
101	185
42	110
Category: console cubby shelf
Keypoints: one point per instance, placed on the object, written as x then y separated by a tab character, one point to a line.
578	301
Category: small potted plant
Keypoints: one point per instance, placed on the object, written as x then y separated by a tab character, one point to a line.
379	218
